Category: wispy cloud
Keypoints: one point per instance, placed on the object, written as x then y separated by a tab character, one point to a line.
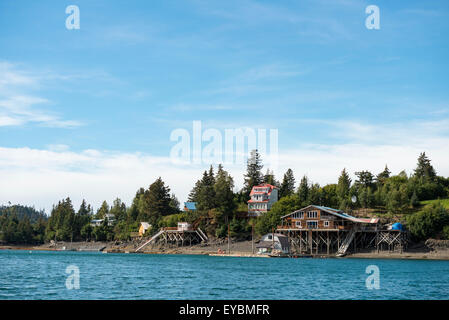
270	71
18	106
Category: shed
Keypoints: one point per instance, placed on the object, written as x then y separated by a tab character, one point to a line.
273	242
144	226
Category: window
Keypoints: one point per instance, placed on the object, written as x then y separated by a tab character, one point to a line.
312	224
326	223
312	214
298	215
298	224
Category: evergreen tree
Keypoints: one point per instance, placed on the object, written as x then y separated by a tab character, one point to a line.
270	179
383	176
156	201
103	210
206	194
288	184
253	176
303	191
84	209
136	208
424	169
343	186
315	194
364	178
174	204
223	187
414	201
61	224
118	209
193	195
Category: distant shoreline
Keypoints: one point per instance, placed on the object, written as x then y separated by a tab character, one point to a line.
238	249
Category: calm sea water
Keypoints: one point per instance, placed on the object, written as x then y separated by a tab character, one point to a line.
42	275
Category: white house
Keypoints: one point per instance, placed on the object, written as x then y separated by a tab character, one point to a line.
98	222
262	198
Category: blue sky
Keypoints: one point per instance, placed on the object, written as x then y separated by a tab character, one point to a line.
137	70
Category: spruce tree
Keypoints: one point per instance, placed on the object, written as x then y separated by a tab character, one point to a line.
253	176
206	193
223	187
383	176
303	191
270	179
156	202
288	184
424	169
343	186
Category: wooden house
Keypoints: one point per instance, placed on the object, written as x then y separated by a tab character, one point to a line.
319	229
325	218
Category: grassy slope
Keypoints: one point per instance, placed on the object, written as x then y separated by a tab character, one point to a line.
444	202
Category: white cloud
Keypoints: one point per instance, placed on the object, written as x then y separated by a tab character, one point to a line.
42	177
18	106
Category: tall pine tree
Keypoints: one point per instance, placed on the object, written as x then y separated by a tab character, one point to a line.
288	184
253	176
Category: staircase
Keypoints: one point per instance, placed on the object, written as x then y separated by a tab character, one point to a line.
151	239
202	234
346	242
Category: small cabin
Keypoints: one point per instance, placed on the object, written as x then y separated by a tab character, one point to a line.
273	242
325	218
144	226
184	226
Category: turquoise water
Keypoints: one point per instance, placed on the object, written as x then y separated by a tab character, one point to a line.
42	275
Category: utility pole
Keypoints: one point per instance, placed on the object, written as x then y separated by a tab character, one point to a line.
252	237
229	239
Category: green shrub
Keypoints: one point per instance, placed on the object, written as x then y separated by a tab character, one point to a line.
446	232
428	222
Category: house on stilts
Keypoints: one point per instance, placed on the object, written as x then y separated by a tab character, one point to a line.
184	234
323	230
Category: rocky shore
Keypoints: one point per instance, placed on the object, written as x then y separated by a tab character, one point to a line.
430	250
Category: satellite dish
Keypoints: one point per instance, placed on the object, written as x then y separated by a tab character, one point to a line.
354	199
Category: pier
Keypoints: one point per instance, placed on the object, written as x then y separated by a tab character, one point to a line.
181	235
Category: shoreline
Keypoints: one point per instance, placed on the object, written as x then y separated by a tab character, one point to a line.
238	249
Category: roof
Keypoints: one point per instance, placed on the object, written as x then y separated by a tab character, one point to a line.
338	213
283	240
145	225
263	185
190	205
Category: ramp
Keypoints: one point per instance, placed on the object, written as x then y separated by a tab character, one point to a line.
346	243
202	234
151	239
